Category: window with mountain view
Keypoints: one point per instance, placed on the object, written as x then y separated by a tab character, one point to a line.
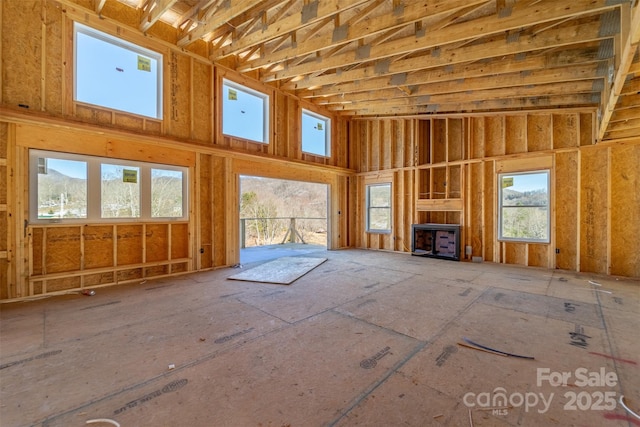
75	188
524	206
61	188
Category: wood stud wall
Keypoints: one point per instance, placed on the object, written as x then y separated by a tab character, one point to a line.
443	169
595	189
38	111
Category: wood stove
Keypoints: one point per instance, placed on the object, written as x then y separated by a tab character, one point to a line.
436	241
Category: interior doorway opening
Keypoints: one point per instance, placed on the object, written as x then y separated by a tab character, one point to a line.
281	217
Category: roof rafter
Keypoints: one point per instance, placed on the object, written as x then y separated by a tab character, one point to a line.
294	22
222	15
448	57
549	10
411	13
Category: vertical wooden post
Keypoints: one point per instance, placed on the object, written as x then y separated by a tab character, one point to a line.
243	233
292	230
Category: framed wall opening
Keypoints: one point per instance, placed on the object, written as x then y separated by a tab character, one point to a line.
281	217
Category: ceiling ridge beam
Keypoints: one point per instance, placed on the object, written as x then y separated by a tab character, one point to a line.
548	10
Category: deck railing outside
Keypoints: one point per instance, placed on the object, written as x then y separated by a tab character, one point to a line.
268	231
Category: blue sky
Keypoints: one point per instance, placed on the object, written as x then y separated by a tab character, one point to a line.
314	132
242	114
528	182
70	168
110	76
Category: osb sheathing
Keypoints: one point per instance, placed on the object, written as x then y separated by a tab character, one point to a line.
539	132
565	130
22	54
179	75
129	16
493	136
538	255
179	241
477	137
156	242
98	246
62	249
202	111
455	139
566	209
54	58
625	210
129	244
439	140
515	134
594	172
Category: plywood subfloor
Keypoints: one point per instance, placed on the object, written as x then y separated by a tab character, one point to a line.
283	271
365	339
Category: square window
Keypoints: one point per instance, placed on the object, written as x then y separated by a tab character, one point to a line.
245	112
61	188
316	134
116	74
379	208
524	206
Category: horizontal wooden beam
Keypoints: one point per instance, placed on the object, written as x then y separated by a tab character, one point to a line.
514	81
529	103
412	12
448	57
521	17
439	205
291	23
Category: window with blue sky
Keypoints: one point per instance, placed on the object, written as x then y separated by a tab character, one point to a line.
316	134
245	112
116	74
